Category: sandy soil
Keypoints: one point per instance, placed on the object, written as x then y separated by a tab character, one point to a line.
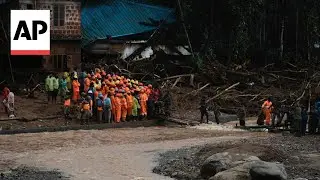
106	154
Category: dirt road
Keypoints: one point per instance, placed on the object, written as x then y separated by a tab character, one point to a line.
108	154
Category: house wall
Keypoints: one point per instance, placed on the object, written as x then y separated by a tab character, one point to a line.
72	25
65	40
70	49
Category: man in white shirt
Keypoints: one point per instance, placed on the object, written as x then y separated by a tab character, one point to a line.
9	104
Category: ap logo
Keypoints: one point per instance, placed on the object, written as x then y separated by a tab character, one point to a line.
30	32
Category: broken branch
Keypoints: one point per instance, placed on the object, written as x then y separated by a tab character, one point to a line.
174	77
194	92
227	89
176	82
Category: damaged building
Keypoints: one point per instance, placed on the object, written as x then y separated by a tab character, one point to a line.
65	34
125	29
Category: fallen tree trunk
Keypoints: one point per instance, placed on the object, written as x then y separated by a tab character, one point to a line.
227	89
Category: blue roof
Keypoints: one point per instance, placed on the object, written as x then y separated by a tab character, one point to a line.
118	18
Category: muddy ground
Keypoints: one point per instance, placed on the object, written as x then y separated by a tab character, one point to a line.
31	108
301	156
103	154
132	153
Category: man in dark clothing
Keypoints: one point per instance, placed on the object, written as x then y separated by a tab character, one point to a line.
276	108
217	113
150	105
304	120
204	109
315	118
296	115
167	99
241	114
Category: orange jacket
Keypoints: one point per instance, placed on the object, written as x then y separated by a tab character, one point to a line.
124	103
129	100
105	90
117	102
267	104
67	102
143	97
76	85
148	91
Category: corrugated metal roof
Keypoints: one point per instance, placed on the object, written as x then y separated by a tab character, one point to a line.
117	18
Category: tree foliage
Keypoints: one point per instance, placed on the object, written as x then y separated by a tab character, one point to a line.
263	31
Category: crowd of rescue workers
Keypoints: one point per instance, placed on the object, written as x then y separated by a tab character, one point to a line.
112	98
105	97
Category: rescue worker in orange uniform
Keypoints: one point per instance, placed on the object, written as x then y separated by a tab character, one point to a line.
104	89
129	98
76	90
113	106
143	103
87	83
266	108
117	104
124	108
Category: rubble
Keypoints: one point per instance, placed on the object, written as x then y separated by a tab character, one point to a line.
31	173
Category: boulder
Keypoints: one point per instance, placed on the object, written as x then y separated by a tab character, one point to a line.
240	172
223	161
215	163
261	170
246	160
